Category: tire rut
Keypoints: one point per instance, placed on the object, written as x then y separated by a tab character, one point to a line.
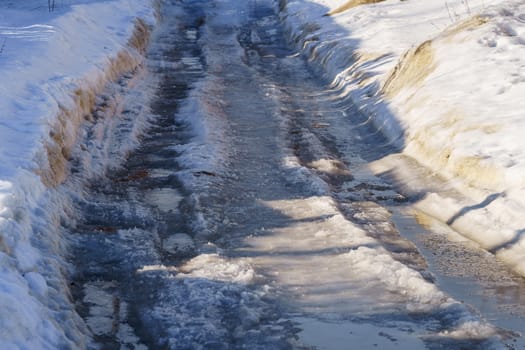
235	217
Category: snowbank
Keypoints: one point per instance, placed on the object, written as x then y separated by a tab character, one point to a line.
52	65
444	81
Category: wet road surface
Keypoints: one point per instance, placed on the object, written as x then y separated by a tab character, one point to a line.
247	218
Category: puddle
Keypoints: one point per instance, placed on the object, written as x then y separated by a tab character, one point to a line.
469	274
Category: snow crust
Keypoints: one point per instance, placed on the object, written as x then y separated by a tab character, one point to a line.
444	81
50	65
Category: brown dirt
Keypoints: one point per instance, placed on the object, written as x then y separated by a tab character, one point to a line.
63	135
351	4
415	65
468	24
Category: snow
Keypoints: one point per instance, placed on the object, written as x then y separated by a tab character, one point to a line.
53	65
444	81
50	65
206	150
217	268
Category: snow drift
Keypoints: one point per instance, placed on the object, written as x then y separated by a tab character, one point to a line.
52	65
444	81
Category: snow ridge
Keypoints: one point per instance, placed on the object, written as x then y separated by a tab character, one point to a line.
443	84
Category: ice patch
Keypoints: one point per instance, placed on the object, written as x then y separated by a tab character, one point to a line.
165	199
179	244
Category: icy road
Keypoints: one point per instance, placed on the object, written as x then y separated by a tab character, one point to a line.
247	219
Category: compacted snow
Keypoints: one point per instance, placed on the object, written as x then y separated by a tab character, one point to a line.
444	81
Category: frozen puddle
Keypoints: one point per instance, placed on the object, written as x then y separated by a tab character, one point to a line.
344	335
164	199
107	314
